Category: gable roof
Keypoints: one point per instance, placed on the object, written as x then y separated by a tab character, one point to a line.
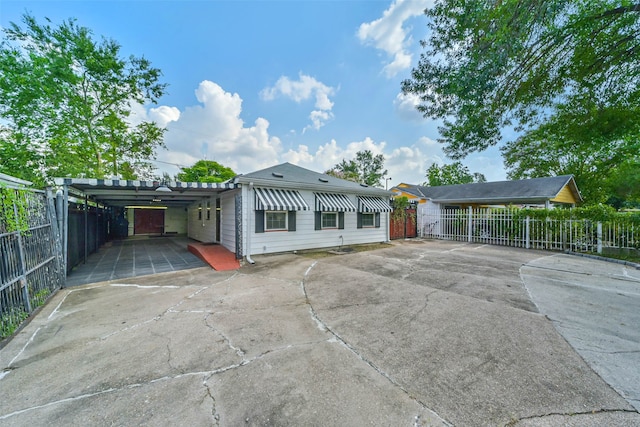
533	190
286	175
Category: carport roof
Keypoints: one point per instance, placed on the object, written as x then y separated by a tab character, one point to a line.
120	192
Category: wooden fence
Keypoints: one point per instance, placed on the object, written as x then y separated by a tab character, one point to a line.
403	226
504	227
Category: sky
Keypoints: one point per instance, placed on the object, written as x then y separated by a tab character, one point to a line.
252	84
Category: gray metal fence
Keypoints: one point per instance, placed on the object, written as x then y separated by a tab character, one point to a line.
31	265
505	227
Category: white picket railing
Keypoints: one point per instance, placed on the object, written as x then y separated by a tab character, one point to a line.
502	227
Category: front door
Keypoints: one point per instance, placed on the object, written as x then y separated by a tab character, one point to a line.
148	221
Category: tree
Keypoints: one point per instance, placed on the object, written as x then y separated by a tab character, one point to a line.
18	160
366	169
205	171
454	173
625	185
68	100
490	65
586	139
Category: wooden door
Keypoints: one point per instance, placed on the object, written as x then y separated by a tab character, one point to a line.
148	221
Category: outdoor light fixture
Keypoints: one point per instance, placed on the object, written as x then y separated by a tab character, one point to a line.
163	188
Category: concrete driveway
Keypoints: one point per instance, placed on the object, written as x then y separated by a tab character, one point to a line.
418	334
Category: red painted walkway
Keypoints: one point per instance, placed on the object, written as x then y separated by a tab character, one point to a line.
217	256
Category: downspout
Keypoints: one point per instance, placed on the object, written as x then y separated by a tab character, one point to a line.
248	240
386	225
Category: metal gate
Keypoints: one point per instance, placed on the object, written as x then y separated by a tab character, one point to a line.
31	264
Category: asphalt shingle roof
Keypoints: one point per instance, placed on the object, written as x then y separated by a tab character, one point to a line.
534	190
292	176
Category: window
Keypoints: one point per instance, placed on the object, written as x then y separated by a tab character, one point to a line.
329	219
275	221
368	220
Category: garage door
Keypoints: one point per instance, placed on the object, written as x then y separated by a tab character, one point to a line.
148	221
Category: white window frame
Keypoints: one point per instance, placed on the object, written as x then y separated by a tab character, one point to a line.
326	227
286	221
368	215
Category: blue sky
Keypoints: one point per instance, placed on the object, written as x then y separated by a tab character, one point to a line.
256	83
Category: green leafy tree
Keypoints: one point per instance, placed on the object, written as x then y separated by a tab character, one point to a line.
205	171
625	185
585	139
455	173
68	99
491	65
18	159
366	168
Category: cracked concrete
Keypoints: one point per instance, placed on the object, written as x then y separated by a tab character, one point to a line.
420	334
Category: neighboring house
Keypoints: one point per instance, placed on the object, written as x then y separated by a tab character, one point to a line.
538	192
278	209
534	192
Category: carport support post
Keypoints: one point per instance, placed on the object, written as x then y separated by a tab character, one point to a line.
599	235
86	228
470	225
65	229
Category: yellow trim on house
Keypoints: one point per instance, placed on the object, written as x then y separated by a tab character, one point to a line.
411	197
565	196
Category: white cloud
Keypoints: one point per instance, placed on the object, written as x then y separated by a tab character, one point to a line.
161	115
214	130
164	115
404	164
406	107
303	89
389	34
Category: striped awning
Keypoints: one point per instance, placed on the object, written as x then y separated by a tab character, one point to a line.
373	204
330	202
271	199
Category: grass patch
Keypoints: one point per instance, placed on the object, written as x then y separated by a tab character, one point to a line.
10	320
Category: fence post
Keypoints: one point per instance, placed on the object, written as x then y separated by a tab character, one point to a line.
23	265
599	231
470	224
527	232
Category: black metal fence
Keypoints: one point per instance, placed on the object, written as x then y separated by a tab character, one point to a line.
31	262
87	230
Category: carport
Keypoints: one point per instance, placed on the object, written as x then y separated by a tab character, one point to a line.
92	212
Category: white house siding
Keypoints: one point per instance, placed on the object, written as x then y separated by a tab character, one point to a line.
201	228
228	220
306	237
175	220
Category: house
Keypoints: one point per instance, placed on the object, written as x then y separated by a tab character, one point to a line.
287	207
278	209
436	203
540	192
